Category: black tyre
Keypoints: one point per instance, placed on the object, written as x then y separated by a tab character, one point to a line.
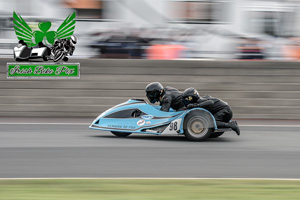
196	127
45	58
65	59
21	60
215	135
58	56
120	134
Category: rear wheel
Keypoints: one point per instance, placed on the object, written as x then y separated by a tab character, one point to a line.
120	134
65	59
196	128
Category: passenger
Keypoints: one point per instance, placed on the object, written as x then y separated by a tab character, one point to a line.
219	108
168	97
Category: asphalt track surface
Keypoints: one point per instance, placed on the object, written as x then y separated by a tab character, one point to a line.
58	150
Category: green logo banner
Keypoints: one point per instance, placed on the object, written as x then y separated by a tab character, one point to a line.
32	38
39	70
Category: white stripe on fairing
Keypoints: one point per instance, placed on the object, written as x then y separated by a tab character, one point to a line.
133	178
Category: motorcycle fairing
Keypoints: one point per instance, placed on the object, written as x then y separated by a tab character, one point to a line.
137	116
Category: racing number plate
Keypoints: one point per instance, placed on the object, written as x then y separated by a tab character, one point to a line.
173	127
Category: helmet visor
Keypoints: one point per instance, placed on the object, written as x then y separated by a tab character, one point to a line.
153	96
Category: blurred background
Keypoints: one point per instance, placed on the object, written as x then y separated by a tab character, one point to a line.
167	29
243	51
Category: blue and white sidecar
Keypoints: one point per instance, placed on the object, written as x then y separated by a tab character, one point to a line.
137	116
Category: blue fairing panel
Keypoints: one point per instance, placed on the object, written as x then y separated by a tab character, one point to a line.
136	116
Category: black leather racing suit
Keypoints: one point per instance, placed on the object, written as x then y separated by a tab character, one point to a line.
219	108
62	44
171	98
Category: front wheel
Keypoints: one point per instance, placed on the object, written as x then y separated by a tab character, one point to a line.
120	134
58	55
197	128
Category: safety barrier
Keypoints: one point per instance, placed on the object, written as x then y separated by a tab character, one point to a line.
254	89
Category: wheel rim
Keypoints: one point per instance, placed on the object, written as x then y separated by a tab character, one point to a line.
196	127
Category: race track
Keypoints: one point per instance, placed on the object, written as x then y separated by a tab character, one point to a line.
37	150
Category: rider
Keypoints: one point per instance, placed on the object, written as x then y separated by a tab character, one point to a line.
168	97
219	108
67	44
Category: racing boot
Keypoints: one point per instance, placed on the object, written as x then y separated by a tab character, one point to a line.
234	126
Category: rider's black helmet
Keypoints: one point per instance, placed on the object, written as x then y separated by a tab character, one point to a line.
190	95
154	91
73	39
22	42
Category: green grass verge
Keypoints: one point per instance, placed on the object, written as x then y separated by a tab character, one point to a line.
140	189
